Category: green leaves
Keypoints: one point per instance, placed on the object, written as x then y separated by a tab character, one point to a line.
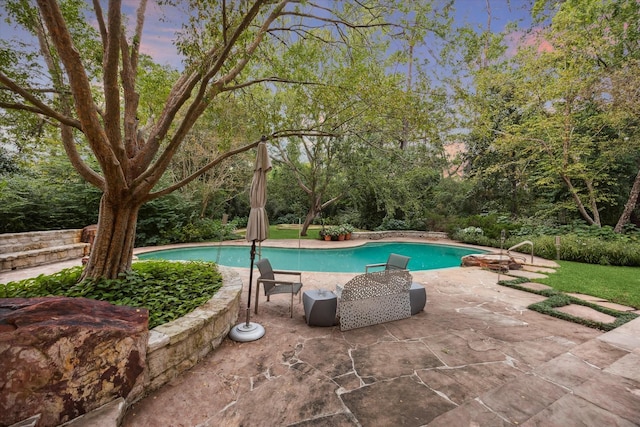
167	289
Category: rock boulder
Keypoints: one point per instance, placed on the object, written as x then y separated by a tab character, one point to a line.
496	262
62	357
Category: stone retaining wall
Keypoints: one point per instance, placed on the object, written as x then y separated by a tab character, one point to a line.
179	345
22	250
377	235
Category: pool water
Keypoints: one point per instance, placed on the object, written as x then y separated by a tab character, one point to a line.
424	256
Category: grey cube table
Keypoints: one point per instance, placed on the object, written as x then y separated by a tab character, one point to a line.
320	307
417	297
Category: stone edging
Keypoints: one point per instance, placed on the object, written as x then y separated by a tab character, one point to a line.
377	235
178	345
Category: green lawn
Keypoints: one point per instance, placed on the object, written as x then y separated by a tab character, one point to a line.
616	284
290	231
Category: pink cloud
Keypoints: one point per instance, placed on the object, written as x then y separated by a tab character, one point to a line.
533	38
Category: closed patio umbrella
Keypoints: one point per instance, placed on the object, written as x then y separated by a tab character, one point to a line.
257	231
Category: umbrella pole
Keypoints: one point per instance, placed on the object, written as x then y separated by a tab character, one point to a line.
248	331
253	257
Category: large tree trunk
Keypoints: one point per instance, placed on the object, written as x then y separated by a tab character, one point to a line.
112	251
630	205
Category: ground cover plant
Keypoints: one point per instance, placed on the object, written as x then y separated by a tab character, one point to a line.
167	289
616	284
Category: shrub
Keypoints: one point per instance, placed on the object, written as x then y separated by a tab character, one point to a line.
289	218
167	289
206	229
392	224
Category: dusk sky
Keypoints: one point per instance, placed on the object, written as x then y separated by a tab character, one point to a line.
158	37
161	24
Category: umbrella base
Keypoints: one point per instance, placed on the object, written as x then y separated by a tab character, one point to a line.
243	333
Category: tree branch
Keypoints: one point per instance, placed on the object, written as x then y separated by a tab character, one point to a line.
202	170
38	106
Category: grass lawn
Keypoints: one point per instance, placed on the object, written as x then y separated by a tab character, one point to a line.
290	231
616	284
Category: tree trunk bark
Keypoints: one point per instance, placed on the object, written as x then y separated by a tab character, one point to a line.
630	205
311	214
579	204
112	251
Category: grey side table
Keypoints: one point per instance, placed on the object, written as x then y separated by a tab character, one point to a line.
417	297
320	307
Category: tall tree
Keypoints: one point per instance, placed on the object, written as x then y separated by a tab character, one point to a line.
90	91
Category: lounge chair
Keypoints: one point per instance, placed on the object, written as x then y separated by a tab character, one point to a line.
395	262
274	286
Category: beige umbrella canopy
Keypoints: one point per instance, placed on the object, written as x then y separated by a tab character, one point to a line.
257	230
258	224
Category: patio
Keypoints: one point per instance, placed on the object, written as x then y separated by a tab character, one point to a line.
475	356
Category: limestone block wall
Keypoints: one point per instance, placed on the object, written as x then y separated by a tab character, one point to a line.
179	345
22	250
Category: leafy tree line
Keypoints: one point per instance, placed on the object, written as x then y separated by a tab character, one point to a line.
357	131
122	133
554	128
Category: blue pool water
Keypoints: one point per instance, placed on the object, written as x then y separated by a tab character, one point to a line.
344	260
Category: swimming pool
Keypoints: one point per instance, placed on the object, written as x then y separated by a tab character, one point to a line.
424	256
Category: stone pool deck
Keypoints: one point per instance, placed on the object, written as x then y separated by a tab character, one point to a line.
476	356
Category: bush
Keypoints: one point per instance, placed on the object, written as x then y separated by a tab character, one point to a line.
289	218
207	229
393	224
167	289
491	224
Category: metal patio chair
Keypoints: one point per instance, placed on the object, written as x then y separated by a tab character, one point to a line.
273	285
395	262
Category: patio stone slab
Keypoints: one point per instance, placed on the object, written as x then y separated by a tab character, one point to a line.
585	312
571	410
598	353
618	395
394	406
627	366
539	269
566	370
336	420
472	413
374	361
522	398
626	336
614	306
464	383
526	274
535	286
584	297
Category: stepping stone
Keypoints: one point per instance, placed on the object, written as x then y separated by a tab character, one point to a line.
526	274
614	306
535	286
586	313
537	269
585	297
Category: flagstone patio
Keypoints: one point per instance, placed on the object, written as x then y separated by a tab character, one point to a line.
475	356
